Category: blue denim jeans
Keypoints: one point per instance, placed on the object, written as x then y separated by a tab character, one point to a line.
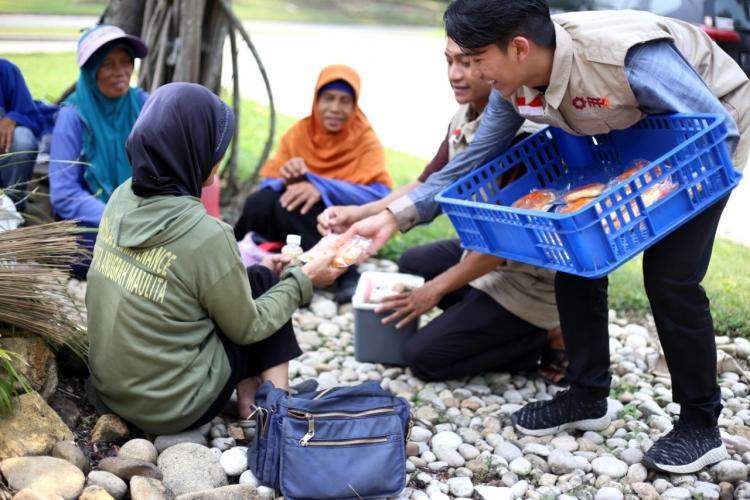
16	168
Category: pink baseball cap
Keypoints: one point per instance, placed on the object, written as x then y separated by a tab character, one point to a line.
101	34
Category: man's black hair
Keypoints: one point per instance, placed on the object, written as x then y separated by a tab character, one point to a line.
478	23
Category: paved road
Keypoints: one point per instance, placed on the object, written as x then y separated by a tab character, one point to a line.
404	91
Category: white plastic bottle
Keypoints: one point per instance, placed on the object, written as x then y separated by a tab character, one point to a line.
292	248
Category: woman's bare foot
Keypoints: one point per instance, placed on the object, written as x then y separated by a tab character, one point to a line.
246	395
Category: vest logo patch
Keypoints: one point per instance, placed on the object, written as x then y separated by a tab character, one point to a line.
581	102
533	108
456	136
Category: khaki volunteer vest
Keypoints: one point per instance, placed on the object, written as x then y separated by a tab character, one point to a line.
463	126
526	291
589	92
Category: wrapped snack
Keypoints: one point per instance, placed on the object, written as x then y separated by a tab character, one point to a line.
346	252
657	192
574	205
327	244
350	252
588	191
538	199
639	164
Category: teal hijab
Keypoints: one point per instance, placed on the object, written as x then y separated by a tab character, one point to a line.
108	123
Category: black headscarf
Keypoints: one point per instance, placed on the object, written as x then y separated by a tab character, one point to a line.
181	133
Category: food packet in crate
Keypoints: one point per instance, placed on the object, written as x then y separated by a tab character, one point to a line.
632	168
577	198
538	199
659	191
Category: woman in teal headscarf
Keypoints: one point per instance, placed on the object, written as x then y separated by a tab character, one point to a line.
88	159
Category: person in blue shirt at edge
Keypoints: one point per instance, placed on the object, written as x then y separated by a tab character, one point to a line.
589	73
22	123
88	159
497	315
331	157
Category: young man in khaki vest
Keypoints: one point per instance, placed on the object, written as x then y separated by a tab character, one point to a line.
589	73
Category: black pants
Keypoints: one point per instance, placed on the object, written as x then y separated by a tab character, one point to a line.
474	334
672	272
264	215
253	359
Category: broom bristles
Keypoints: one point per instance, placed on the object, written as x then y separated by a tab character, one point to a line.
34	266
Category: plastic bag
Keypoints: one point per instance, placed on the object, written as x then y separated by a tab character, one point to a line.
9	216
346	252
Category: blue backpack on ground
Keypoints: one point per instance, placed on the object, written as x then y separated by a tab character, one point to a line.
343	443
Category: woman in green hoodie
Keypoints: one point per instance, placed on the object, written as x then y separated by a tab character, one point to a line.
172	319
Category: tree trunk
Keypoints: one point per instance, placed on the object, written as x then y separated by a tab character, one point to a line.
127	14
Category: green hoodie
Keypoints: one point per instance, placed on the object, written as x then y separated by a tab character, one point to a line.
164	278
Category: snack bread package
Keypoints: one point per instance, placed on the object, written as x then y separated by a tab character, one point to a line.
659	191
627	174
346	252
649	196
574	205
327	244
588	191
538	199
350	251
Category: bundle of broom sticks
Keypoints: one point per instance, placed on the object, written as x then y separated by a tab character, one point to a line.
34	271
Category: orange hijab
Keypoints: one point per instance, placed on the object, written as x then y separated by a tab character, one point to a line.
352	154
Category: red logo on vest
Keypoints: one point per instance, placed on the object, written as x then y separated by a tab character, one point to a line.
581	102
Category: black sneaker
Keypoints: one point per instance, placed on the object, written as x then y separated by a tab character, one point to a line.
542	418
686	449
304	387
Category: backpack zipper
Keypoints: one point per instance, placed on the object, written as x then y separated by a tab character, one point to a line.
299	414
347	442
310	417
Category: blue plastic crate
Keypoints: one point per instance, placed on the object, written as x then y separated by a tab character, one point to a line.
616	226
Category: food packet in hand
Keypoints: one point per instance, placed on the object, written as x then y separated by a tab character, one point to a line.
350	251
346	252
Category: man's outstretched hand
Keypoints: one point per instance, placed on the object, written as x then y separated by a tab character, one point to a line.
379	228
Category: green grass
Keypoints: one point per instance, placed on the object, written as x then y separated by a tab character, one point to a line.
41	32
79	7
406	12
727	282
415	12
47	75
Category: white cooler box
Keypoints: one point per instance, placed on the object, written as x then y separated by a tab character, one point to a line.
374	341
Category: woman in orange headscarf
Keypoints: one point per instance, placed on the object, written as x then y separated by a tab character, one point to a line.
332	157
